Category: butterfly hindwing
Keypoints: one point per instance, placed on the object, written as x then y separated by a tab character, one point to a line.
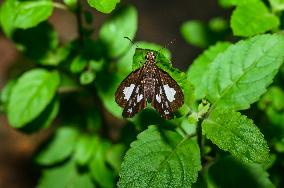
168	95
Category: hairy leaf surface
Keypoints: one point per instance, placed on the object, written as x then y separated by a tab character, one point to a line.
237	134
160	159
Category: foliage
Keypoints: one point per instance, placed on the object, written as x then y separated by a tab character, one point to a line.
229	132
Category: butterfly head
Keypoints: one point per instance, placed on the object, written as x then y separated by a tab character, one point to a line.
150	55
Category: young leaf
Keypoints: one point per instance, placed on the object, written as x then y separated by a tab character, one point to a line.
239	76
122	24
238	174
60	147
253	18
65	175
31	94
87	77
235	133
198	71
104	6
160	159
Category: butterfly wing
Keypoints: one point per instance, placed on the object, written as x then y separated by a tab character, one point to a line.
168	95
130	94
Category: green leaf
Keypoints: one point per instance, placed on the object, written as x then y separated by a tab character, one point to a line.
6	93
85	148
277	5
253	62
229	3
195	33
31	94
78	64
238	174
218	24
160	159
252	18
99	170
65	175
72	4
45	119
87	77
121	24
104	6
198	71
24	14
60	147
235	133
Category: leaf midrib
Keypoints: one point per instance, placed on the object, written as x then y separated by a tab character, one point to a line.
228	88
166	159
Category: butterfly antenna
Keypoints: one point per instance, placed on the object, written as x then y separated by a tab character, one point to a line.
167	45
132	41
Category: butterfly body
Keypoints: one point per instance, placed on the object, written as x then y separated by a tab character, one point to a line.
149	84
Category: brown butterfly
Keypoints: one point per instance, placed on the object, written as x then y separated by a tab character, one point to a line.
149	84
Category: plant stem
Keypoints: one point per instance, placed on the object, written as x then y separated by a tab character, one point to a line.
79	22
59	6
200	139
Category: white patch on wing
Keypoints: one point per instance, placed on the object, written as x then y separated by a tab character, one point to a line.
158	98
167	112
128	91
170	92
129	110
139	97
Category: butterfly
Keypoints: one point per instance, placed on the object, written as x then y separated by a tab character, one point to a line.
150	84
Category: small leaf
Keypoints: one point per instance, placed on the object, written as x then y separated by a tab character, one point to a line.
253	62
238	174
198	71
104	6
235	133
195	33
60	147
160	159
78	64
121	24
87	77
99	170
65	175
253	18
85	148
33	91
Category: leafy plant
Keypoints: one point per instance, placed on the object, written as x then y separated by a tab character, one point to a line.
228	133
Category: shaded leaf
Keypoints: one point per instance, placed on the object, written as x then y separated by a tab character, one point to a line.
31	94
238	174
160	159
237	134
60	147
99	170
65	175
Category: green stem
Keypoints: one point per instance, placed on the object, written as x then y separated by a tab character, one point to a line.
79	22
200	138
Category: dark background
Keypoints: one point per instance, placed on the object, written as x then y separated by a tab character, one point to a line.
159	22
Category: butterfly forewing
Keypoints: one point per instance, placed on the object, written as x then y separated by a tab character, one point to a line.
126	88
136	102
